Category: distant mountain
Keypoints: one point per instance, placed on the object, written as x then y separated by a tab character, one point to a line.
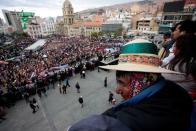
142	4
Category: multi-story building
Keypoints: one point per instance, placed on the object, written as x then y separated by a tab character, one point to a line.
147	24
84	28
119	16
59	25
1	26
47	26
190	5
68	16
59	19
13	19
1	22
34	30
174	12
110	28
59	28
77	27
90	27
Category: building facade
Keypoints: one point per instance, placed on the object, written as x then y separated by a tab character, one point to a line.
34	30
77	27
13	19
119	16
174	12
47	26
1	26
68	16
147	25
190	5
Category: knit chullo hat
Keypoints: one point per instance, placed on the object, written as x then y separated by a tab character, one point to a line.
139	56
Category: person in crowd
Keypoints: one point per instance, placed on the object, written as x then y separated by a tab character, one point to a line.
26	97
187	27
77	87
53	83
83	74
98	70
32	106
2	113
105	82
81	101
166	60
114	101
150	101
184	57
64	89
162	46
182	28
44	91
60	88
59	77
67	83
166	39
110	97
35	103
39	92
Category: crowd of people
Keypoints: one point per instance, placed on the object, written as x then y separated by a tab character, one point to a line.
34	71
144	83
15	48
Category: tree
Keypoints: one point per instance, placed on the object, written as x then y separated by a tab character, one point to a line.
119	31
94	34
100	33
19	34
124	36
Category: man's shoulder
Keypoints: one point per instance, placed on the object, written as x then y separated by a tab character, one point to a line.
172	87
99	123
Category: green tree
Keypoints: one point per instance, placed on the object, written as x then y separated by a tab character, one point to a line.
100	34
94	34
119	31
124	36
19	34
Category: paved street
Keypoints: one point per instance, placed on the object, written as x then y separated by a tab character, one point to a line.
58	111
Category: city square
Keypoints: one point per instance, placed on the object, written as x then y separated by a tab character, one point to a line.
58	111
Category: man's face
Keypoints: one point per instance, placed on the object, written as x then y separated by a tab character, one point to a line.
124	86
176	33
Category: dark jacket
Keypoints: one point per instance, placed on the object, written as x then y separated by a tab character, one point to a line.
80	100
77	86
167	110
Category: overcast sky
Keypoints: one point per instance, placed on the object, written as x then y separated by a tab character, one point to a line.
45	8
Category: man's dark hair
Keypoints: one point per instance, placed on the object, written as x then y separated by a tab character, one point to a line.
122	73
188	26
167	34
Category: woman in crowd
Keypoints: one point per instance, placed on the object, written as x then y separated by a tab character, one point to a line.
185	56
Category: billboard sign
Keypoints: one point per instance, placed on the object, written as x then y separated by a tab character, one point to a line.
24	18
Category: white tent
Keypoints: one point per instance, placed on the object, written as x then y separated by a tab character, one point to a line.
35	46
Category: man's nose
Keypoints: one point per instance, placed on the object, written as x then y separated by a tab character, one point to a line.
118	90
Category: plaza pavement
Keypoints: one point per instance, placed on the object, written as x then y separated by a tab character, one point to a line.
58	111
